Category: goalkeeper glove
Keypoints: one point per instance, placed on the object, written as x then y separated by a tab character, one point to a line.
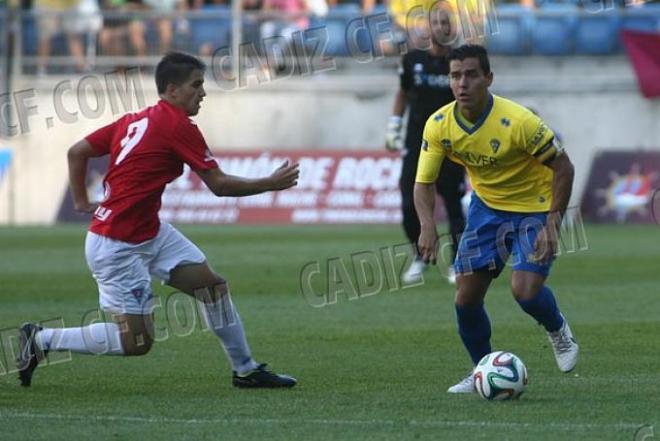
393	139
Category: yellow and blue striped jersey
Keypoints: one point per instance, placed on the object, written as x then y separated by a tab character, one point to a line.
503	153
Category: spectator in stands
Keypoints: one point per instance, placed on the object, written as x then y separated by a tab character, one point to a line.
120	23
252	19
469	17
200	4
74	18
366	5
284	17
166	10
317	8
210	30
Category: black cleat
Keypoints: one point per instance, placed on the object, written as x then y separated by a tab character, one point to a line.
262	378
29	354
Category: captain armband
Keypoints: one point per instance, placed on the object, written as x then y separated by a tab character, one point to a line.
546	154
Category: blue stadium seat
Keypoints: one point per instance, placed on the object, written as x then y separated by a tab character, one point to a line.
3	25
30	38
29	34
645	18
379	8
511	35
336	22
553	30
553	3
214	30
598	34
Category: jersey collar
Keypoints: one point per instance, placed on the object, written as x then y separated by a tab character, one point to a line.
171	106
480	121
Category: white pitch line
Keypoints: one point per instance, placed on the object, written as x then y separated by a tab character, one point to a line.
327	422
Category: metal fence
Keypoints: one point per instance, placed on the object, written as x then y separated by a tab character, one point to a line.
139	38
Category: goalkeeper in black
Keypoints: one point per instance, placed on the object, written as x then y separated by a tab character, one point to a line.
424	88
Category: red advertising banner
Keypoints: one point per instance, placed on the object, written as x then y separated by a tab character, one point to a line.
335	187
643	49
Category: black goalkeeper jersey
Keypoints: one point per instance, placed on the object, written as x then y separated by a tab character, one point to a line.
425	79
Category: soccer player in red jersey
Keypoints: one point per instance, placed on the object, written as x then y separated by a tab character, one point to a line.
127	243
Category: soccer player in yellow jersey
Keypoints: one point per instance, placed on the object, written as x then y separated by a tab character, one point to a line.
522	181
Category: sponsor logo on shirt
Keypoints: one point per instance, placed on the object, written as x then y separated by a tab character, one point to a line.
476	160
431	80
539	135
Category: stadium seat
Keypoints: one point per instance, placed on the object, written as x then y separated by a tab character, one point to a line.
29	34
212	30
338	19
598	34
3	25
553	30
511	35
645	18
553	3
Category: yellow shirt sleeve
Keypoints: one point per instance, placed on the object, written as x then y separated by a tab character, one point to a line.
431	153
537	139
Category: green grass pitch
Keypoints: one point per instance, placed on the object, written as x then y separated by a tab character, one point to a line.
370	367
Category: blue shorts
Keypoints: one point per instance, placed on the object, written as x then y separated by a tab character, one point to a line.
491	236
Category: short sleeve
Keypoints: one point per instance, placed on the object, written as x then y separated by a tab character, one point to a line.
405	79
431	153
537	139
101	139
189	145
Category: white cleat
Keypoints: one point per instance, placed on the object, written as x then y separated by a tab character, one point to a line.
565	347
414	273
466	386
451	275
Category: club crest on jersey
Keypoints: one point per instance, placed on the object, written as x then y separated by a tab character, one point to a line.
495	144
505	122
446	144
425	145
438	117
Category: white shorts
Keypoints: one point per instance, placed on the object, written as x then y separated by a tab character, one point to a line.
123	270
76	20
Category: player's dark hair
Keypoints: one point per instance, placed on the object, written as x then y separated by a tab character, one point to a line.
471	51
175	68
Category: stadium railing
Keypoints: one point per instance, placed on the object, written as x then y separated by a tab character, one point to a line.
551	30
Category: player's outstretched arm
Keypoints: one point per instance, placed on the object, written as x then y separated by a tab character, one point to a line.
562	184
427	244
546	244
77	156
223	184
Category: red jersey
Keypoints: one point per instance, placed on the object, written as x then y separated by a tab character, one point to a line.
147	151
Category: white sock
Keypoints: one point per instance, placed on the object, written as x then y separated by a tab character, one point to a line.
223	319
98	338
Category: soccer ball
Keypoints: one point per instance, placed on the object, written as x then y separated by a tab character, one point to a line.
500	376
